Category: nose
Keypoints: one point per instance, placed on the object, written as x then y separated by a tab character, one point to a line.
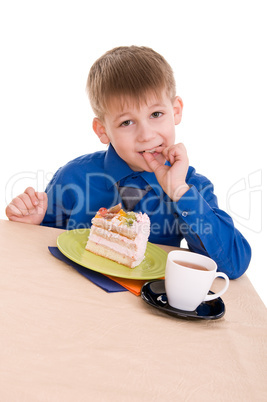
145	132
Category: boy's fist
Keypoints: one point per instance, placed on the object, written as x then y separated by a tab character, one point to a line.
29	207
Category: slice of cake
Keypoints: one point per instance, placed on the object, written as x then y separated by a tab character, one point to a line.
119	236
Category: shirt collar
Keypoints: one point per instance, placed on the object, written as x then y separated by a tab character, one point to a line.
151	179
118	169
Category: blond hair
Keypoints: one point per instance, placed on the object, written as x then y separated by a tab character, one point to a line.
128	71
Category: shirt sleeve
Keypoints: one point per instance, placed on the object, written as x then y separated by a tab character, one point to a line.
209	230
60	201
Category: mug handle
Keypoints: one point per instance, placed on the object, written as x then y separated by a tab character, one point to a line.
221	292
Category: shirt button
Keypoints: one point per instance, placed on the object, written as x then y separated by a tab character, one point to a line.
184	214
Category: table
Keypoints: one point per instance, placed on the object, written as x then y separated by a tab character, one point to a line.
65	339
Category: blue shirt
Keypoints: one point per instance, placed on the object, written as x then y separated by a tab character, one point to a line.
87	183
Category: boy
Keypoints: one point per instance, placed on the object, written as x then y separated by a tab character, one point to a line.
132	93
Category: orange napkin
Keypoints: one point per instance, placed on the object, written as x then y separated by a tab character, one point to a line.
132	285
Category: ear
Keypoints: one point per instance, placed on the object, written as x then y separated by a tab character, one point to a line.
100	131
177	109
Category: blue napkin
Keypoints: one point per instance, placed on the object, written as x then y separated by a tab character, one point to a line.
98	279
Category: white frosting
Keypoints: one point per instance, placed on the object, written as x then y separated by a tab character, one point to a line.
141	224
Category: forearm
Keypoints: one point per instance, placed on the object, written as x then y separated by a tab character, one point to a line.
210	231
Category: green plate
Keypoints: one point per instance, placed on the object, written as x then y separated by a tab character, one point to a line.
72	244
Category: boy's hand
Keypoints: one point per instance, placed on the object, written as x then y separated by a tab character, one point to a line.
171	178
29	207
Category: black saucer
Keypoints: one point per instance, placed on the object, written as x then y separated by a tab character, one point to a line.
154	294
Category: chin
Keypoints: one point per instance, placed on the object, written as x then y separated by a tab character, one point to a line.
147	169
140	167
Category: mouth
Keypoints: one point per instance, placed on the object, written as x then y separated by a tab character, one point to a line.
152	150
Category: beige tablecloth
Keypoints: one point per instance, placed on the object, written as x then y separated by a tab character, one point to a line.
64	339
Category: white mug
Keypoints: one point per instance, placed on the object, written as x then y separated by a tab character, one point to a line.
188	278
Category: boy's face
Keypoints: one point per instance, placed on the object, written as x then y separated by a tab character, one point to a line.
133	129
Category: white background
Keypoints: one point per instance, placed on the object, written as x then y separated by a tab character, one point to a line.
218	52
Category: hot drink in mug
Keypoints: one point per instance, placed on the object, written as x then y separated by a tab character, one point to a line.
188	279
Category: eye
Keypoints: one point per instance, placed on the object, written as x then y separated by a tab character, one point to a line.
126	123
155	115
